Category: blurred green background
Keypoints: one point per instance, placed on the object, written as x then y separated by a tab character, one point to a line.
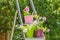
48	8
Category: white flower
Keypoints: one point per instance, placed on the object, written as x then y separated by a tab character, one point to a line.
44	18
40	18
25	30
35	22
48	30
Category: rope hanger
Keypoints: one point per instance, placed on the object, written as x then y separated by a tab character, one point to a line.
32	6
19	15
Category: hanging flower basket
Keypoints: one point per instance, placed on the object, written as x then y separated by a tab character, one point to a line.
38	33
28	30
28	19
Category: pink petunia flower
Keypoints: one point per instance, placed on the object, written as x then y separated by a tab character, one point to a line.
44	18
26	9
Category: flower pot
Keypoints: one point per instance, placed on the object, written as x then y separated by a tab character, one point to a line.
38	33
29	34
28	19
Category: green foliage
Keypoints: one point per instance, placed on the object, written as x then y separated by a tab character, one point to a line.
18	35
26	13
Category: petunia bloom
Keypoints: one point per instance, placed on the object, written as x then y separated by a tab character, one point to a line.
26	9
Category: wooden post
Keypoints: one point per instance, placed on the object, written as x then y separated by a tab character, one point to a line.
8	34
13	26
